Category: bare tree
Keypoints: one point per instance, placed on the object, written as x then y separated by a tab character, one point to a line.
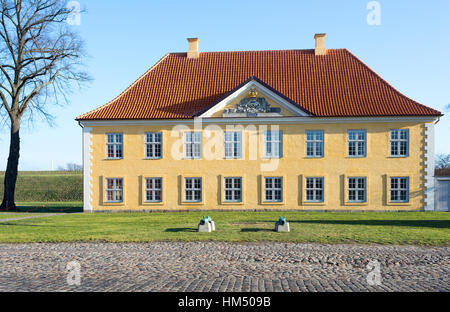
443	161
71	167
40	61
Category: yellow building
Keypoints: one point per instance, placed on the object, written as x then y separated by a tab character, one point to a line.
294	129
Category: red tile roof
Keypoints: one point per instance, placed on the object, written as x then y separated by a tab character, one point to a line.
334	85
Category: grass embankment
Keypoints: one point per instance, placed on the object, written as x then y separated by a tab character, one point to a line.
48	191
43	186
408	228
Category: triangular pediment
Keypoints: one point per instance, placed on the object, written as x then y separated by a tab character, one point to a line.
253	99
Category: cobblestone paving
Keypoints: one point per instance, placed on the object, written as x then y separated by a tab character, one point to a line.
208	266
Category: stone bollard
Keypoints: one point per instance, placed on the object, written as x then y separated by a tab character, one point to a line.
206	225
282	225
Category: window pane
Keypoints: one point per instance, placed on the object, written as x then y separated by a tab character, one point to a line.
188	148
356	143
399	142
118	151
273	189
273	143
400	189
232	144
319	195
357	189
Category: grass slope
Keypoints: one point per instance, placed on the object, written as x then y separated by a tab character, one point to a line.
407	228
47	186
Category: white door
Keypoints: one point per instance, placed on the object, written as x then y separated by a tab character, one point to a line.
443	195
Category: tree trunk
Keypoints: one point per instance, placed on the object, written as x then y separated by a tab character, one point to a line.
9	203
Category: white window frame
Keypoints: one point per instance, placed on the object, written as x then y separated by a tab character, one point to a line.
153	190
192	190
314	189
357	190
151	142
233	144
233	189
193	145
357	142
275	141
115	145
115	189
399	189
315	142
398	142
273	189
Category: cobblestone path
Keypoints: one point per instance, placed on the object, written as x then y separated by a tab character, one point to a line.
213	266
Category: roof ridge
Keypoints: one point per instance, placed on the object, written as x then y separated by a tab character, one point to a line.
127	89
387	83
247	51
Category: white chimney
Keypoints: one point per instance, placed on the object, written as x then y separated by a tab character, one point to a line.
320	44
193	48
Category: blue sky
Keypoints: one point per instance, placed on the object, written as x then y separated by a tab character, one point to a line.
124	38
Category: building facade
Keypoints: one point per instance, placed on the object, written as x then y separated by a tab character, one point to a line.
295	129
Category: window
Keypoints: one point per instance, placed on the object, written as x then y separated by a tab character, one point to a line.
273	189
273	144
400	190
314	143
193	189
114	145
193	145
399	143
357	190
153	190
153	145
114	190
357	143
314	189
233	189
233	144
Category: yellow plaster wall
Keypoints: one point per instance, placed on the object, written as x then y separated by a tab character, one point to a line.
335	166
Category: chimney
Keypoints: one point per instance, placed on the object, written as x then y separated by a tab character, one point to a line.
320	44
193	48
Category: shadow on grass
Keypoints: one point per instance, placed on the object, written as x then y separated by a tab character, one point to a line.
177	230
17	224
439	224
43	209
253	230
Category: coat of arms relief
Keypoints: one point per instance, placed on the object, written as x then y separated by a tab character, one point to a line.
252	106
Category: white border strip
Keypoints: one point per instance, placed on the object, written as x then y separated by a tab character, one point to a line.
429	167
261	120
87	200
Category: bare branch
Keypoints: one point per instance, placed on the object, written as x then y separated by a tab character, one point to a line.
40	56
4	102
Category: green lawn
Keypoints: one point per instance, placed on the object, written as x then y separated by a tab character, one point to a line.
319	227
9	215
